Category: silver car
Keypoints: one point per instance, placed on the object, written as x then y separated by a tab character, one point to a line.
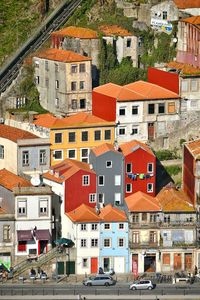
141	285
99	280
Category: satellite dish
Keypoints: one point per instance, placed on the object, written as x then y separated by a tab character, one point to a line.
35	180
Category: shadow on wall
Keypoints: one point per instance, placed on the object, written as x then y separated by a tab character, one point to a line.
162	177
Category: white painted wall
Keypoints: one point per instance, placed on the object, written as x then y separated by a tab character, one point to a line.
10	155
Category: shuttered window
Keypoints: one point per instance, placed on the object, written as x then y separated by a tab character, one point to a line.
171	107
166	258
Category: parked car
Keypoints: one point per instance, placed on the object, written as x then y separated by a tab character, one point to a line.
109	272
141	285
99	280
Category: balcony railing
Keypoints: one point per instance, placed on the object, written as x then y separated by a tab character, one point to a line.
172	244
163	224
142	245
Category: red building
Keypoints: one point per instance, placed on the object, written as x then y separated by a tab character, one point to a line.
191	171
78	180
140	168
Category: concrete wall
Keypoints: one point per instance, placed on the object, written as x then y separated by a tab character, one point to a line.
10	155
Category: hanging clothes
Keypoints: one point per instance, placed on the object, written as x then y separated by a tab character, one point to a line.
141	176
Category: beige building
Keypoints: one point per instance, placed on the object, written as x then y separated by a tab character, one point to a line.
64	81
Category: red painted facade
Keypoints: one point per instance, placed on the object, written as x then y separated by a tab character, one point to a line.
104	106
77	194
188	175
164	79
139	160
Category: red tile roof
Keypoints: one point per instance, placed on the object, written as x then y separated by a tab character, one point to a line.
195	20
60	55
129	147
194	148
67	168
112	214
141	202
44	120
76	32
9	180
110	30
183	4
14	134
103	148
186	69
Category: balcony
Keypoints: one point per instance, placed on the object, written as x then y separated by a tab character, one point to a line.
144	245
161	224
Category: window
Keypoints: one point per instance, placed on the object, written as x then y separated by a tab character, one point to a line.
101	198
58	138
107	226
97	135
25	158
94	227
85	262
1	152
128	168
57	154
74	104
92	198
56	68
22	246
72	137
117	198
73	85
164	15
107	243
22	208
37	64
107	134
153	218
86	180
121	242
161	108
194	85
151	109
57	103
128	43
46	82
94	242
43	157
82	68
109	164
6	233
134	110
74	68
117	179
43	207
83	227
84	136
152	237
57	84
83	243
121	226
122	111
144	217
72	153
37	79
150	167
150	187
46	65
82	103
101	180
82	85
135	218
122	131
134	130
136	237
171	107
184	86
84	155
128	188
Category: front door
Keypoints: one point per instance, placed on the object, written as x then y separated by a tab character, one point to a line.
119	264
94	265
177	261
188	261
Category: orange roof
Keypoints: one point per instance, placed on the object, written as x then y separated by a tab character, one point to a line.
175	200
14	134
183	4
61	55
195	20
186	69
84	213
110	30
44	120
133	145
140	202
9	180
112	214
150	90
194	148
81	119
103	148
77	32
64	170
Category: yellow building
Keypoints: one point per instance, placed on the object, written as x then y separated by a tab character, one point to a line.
74	136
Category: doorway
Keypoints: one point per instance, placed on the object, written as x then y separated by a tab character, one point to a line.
106	264
150	263
151	131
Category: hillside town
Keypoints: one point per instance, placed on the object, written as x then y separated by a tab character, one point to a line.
81	185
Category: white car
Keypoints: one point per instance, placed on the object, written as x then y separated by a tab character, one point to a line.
141	285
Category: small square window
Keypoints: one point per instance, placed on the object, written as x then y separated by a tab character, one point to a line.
74	104
82	68
150	187
121	226
84	136
82	85
128	187
107	226
107	243
74	68
134	110
83	243
121	242
83	227
94	242
101	180
128	43
94	227
122	131
72	137
97	135
161	108
57	154
109	164
58	138
134	130
72	153
84	155
73	86
151	109
150	167
107	134
82	103
92	198
122	111
128	168
85	180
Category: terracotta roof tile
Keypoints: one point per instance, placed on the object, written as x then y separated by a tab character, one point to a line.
141	202
175	200
110	30
129	147
112	214
195	20
44	120
103	148
14	134
194	148
60	55
84	213
183	4
9	180
67	168
76	32
185	69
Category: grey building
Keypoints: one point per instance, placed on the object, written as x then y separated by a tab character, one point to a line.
108	164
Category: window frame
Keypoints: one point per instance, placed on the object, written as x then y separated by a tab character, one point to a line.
134	110
148	169
72	136
42	157
45	213
106	133
122	111
105	240
25	158
21	214
109	161
56	139
75	152
151	108
56	151
149	190
2	152
73	85
85	182
130	191
103	180
85	158
6	233
97	135
82	135
92	198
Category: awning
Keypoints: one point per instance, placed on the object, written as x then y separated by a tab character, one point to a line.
24	235
42	234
